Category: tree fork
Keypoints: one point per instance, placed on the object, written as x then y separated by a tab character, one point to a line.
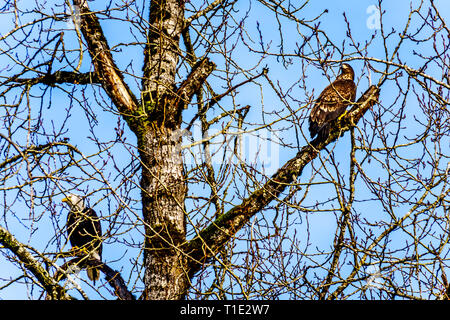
163	192
163	185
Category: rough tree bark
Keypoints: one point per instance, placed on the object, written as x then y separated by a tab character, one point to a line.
162	183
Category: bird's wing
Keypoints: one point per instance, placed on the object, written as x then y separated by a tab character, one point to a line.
333	100
331	103
97	228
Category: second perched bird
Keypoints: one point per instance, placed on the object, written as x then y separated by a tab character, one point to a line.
332	102
84	232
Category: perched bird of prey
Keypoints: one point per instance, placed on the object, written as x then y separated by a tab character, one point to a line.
332	102
84	232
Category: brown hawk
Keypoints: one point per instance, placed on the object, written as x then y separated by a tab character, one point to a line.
332	102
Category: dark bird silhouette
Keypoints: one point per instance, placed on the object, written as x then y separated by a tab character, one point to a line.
332	102
84	232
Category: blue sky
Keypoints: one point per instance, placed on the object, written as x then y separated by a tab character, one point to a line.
321	228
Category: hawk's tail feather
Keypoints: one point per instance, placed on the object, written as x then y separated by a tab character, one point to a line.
321	131
93	274
313	128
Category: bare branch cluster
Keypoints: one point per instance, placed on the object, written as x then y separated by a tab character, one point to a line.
184	125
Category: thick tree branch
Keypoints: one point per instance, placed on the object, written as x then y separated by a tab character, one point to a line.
61	77
211	239
105	68
116	281
194	82
113	277
54	290
69	77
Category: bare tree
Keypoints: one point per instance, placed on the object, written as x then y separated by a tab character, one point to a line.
183	124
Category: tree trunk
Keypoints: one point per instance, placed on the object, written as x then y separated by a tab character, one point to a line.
162	183
163	193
